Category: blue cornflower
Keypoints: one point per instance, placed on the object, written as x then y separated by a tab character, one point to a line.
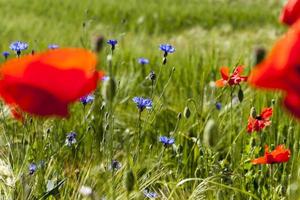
105	78
142	103
167	48
87	99
166	141
116	165
5	54
151	195
32	168
113	43
71	139
143	61
18	47
218	106
53	46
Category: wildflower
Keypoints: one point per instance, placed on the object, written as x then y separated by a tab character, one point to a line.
142	103
257	123
112	43
231	79
32	168
115	165
166	141
279	155
46	83
18	47
105	78
143	61
280	70
85	190
291	12
5	54
71	139
53	46
87	99
167	48
218	106
151	195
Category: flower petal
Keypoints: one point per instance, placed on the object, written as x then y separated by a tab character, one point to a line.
225	73
291	12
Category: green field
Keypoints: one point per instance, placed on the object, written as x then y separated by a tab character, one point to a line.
207	34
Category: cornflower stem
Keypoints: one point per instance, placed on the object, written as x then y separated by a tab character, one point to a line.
160	70
111	132
152	88
139	124
161	156
198	136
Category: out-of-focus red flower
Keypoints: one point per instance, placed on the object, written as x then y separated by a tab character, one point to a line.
257	123
231	79
281	69
279	155
46	83
291	12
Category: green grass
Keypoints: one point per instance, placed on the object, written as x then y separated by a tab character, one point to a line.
207	35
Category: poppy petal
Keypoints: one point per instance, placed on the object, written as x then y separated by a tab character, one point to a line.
292	103
225	72
266	113
272	72
221	83
291	12
45	83
260	160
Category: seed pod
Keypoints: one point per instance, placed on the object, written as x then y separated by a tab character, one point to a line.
260	54
210	134
152	76
98	43
186	112
241	95
109	89
164	60
273	101
179	116
253	113
129	181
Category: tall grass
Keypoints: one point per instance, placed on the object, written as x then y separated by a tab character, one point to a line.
207	35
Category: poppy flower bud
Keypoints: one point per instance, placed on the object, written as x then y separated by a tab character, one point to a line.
273	101
152	76
109	89
241	95
186	112
260	54
210	133
253	113
164	60
98	43
107	127
129	180
179	116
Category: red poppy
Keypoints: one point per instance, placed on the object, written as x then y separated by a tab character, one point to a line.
291	12
46	83
259	122
231	79
281	69
279	155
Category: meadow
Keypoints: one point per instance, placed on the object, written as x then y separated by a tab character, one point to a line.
117	153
